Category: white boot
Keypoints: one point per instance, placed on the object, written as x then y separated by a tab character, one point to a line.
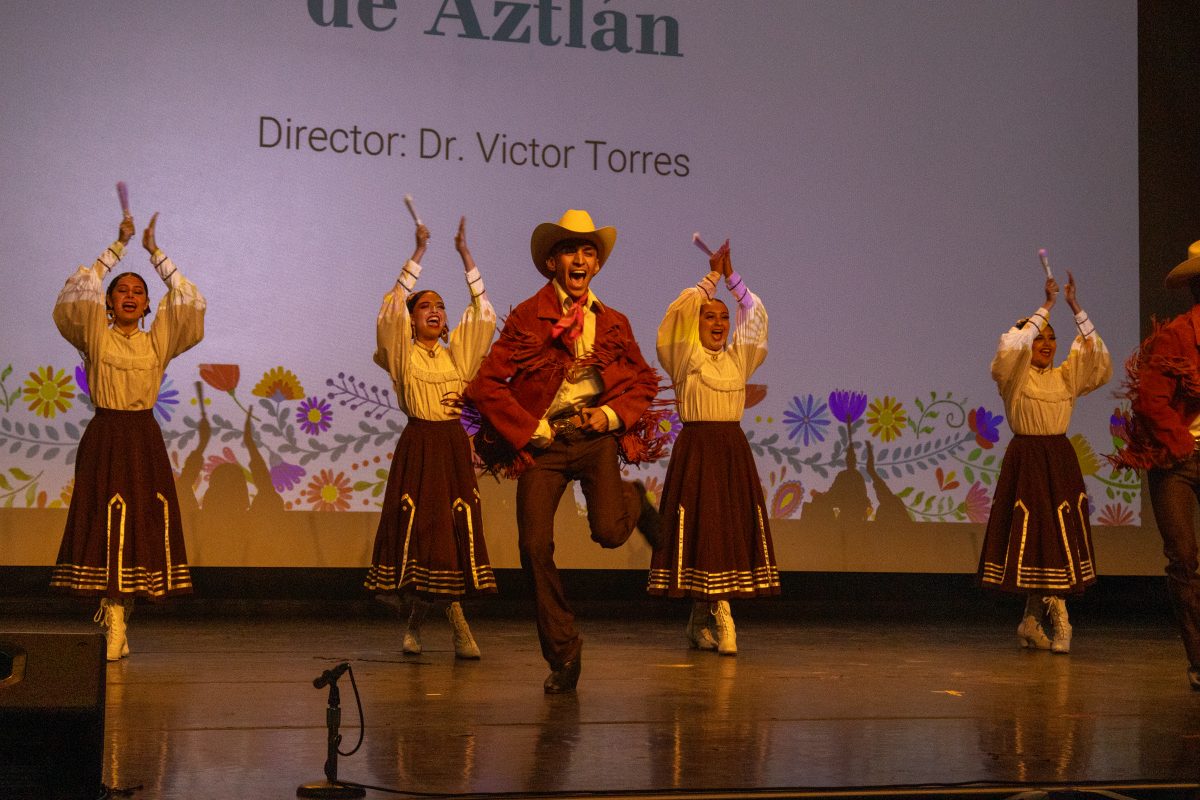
1062	627
111	616
699	628
464	643
127	609
412	635
1030	632
726	633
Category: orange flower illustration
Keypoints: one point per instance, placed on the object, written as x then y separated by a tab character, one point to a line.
279	384
328	492
222	377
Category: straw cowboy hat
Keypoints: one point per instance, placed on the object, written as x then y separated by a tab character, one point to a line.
575	224
1186	270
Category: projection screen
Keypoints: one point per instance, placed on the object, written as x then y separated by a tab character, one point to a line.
885	173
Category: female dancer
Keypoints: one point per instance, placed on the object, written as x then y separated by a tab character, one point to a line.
123	536
430	540
1039	540
716	542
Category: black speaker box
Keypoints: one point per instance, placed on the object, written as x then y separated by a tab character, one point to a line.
51	715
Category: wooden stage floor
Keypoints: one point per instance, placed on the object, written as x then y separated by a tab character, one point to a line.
223	706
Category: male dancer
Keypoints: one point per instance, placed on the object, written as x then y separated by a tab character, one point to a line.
567	390
1164	438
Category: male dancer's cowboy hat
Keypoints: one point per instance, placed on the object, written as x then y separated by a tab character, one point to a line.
575	224
1186	270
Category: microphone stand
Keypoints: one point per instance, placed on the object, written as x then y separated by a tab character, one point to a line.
330	788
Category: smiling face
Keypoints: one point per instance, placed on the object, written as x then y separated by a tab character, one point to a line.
428	317
1044	347
128	300
714	324
574	263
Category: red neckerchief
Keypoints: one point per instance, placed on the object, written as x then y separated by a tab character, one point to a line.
570	325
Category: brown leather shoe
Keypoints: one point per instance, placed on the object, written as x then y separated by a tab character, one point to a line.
563	679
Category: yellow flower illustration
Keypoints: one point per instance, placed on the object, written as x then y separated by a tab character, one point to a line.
1089	464
279	384
48	391
886	418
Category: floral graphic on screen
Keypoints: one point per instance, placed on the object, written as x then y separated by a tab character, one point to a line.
328	492
886	418
314	416
48	391
842	456
279	384
806	419
985	425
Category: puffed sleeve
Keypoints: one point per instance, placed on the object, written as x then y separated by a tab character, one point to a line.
470	339
79	311
678	339
750	329
1010	366
1089	364
179	321
393	337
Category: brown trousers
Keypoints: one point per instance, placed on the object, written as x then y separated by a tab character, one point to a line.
1174	492
612	509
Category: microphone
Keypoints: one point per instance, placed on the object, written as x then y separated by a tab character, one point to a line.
330	675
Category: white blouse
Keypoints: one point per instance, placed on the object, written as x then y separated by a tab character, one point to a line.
710	386
1039	401
424	377
124	372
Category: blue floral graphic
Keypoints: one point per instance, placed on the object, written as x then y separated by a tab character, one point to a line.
806	419
168	398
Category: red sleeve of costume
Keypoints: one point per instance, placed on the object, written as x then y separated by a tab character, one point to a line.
630	383
1156	390
491	390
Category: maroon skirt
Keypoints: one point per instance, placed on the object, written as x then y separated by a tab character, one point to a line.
715	539
1038	536
123	535
430	538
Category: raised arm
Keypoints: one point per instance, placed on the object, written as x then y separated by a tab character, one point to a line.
750	326
393	329
678	340
1010	366
79	311
1089	364
179	321
470	339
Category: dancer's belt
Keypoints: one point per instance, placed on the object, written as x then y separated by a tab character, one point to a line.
566	427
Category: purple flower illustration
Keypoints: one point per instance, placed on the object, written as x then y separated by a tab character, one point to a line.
284	475
168	398
847	406
314	416
471	419
806	419
1118	424
81	380
985	425
670	426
